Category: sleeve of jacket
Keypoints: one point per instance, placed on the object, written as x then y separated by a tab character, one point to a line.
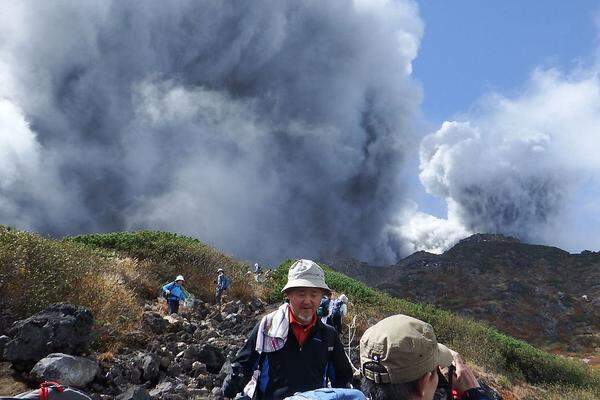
341	365
242	366
184	294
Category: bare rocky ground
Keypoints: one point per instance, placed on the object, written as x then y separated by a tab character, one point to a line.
183	356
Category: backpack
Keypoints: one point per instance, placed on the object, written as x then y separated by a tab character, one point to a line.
50	391
323	309
225	283
329	394
336	309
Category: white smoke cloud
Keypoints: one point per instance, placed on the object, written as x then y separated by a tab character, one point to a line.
267	128
420	231
523	165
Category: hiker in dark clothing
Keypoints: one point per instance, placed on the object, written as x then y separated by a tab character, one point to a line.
323	310
290	350
222	285
338	309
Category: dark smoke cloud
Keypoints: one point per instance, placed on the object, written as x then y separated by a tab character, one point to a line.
269	128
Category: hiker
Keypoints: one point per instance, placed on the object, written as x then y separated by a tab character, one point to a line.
401	359
257	269
337	311
290	350
222	285
174	293
323	310
257	272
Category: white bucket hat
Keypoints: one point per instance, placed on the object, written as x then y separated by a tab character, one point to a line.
179	278
306	273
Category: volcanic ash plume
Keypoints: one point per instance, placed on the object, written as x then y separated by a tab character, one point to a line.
267	128
526	166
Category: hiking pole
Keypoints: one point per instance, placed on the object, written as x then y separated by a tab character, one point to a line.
351	334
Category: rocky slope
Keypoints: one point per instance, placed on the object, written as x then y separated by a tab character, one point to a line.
542	294
174	357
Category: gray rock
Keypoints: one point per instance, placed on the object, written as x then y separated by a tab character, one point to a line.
3	341
162	389
66	369
212	357
134	393
216	394
149	364
169	391
199	367
60	328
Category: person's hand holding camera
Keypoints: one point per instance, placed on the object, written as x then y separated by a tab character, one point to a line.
464	379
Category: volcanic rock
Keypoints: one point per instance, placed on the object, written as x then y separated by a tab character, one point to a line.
66	369
134	393
61	328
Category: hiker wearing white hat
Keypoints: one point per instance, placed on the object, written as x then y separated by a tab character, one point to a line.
174	293
290	350
222	282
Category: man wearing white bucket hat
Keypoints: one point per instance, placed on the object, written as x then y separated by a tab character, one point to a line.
290	350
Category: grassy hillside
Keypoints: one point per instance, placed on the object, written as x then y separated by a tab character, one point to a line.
114	274
111	274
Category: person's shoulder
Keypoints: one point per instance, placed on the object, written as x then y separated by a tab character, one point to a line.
326	329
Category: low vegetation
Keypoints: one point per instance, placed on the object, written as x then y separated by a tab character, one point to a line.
111	274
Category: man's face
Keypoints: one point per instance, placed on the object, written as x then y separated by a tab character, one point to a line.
179	282
304	302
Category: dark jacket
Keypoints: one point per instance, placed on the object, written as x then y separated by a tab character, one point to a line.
293	368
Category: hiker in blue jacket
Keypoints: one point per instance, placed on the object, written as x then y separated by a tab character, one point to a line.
175	293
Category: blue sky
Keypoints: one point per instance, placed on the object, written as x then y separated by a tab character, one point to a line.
471	48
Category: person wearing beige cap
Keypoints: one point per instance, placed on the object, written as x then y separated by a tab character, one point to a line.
290	350
401	359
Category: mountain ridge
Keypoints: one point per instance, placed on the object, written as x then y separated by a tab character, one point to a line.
538	293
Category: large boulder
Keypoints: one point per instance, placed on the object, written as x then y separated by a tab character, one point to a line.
66	369
60	328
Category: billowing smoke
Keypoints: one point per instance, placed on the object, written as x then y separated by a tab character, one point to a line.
527	166
268	128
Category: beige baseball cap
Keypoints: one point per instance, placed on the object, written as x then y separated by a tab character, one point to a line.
406	347
305	273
